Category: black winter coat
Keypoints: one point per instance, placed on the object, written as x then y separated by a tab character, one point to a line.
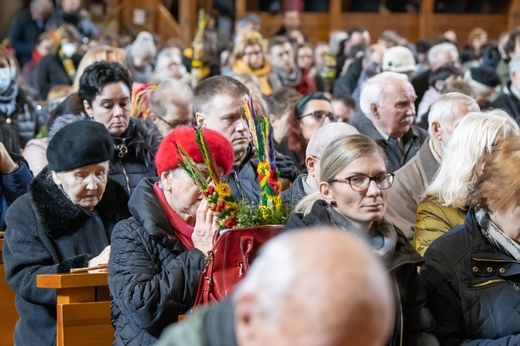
134	154
23	34
473	289
152	277
51	72
510	103
413	323
47	234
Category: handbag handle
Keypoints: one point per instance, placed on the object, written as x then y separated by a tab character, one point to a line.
246	247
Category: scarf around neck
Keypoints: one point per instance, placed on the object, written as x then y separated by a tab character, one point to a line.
496	236
289	79
181	229
8	99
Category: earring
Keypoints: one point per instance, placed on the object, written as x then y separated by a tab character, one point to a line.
333	203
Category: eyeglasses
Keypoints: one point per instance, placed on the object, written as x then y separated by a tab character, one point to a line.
320	115
174	123
361	182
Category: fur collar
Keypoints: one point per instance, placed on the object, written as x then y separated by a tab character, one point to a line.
57	214
141	139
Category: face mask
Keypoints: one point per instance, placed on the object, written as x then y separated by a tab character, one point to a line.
444	146
5	78
69	49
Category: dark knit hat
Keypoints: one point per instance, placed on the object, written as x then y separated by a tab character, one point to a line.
485	75
79	144
168	157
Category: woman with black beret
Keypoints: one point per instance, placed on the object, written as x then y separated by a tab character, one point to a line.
65	221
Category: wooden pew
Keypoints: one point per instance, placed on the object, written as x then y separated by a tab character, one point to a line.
8	314
83	308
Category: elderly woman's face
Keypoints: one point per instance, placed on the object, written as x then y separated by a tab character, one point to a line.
359	207
85	185
111	107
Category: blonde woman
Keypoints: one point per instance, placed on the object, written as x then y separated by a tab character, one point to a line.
352	197
249	56
101	53
445	201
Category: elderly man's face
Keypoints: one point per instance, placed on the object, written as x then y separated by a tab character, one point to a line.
395	112
227	117
282	57
85	185
111	107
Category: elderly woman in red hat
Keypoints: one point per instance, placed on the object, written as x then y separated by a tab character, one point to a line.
158	255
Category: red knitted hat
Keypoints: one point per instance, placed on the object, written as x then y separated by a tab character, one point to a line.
167	156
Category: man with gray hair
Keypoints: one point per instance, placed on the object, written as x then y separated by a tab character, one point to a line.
307	183
510	99
296	294
411	180
27	26
388	112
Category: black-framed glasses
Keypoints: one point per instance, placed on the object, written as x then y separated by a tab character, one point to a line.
174	123
320	115
361	182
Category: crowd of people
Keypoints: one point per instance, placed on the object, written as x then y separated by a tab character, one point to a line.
398	161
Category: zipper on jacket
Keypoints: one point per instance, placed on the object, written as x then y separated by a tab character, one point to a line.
489	282
127	180
239	187
493	260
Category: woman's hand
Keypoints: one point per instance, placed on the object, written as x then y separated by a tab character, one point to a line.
205	228
102	258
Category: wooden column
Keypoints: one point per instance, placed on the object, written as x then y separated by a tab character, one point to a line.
188	19
335	10
426	19
513	19
240	8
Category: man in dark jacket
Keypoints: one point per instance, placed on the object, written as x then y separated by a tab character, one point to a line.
278	310
26	27
510	99
387	114
218	103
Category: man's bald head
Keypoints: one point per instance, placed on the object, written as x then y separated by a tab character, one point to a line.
317	286
319	141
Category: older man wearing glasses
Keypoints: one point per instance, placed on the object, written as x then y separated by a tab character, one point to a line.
387	114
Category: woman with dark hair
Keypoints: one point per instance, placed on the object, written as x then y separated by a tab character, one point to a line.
309	114
471	272
105	88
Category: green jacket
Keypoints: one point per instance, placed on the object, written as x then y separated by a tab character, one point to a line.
433	220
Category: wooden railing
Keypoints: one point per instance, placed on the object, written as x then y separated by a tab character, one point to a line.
83	308
8	314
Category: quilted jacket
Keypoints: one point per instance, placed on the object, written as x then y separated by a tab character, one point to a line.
473	290
433	220
152	277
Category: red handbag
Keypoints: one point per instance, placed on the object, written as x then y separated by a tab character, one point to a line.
228	262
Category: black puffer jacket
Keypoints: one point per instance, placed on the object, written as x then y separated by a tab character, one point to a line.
414	323
152	277
473	289
47	234
134	154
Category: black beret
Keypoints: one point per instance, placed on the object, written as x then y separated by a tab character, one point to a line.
79	144
485	75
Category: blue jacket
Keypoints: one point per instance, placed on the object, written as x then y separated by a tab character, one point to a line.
13	185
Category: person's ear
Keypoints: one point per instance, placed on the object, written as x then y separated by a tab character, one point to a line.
56	178
246	327
152	117
326	191
311	166
166	180
88	109
272	119
436	130
200	118
374	110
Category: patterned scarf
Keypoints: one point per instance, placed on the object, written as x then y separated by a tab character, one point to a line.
69	65
8	99
495	235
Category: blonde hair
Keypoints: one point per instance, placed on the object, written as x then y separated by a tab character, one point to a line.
101	53
338	155
249	39
467	150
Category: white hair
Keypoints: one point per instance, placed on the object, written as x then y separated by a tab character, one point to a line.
325	135
447	108
442	48
373	89
474	137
